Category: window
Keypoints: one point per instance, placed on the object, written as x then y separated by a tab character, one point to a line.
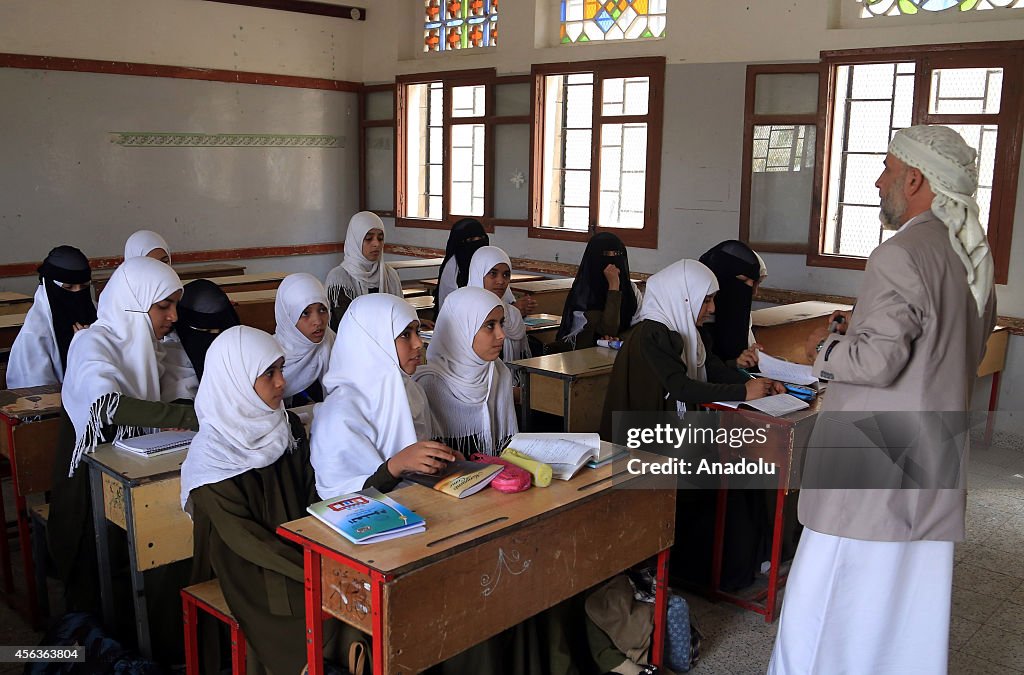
600	20
448	128
597	149
377	149
873	8
459	24
874	94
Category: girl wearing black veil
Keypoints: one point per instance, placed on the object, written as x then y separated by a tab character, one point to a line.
466	237
62	306
603	300
737	269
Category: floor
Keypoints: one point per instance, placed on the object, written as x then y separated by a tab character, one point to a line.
987	625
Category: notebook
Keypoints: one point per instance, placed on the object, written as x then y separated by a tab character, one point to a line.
367	516
566	453
459	479
778	405
159	443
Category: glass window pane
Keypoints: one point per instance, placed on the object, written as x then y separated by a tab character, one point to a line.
424	151
625	96
780	194
512	99
380	169
965	91
623	175
786	94
459	25
469	101
467	175
380	105
599	20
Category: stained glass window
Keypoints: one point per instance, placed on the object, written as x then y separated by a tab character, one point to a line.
459	24
896	7
598	20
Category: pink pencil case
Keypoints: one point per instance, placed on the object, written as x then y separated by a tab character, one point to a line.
511	479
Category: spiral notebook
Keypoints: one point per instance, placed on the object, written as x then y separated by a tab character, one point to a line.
159	443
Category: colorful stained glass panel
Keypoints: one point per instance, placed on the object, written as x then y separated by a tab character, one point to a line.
873	8
459	24
604	20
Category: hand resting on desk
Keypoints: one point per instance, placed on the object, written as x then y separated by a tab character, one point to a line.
421	457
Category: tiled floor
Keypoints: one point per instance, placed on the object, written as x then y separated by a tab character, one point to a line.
987	625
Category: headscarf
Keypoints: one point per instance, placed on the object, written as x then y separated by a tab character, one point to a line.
732	304
470	397
762	274
305	362
39	354
117	355
673	298
356	274
237	430
203	307
373	409
142	242
517	345
590	288
457	276
950	165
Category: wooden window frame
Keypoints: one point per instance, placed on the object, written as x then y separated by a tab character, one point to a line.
652	67
1010	122
750	120
450	79
365	124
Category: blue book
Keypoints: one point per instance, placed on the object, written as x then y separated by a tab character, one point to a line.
367	516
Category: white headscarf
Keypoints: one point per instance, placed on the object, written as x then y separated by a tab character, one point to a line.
34	359
951	168
356	274
468	396
517	346
673	297
178	379
237	430
305	362
373	409
117	355
142	242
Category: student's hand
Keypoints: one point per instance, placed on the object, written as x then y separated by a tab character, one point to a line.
422	457
611	273
748	357
426	324
843	319
759	387
79	326
525	305
811	346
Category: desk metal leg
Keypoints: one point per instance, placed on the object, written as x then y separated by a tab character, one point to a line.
660	609
138	580
99	524
773	573
24	535
377	614
565	406
718	544
993	401
314	613
525	400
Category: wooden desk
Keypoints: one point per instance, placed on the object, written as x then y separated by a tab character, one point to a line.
10	325
485	563
204	271
550	294
413	291
31	423
141	495
415	264
516	278
14	303
256	308
263	281
423	304
570	384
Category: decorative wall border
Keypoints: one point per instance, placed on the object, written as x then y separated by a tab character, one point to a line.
148	139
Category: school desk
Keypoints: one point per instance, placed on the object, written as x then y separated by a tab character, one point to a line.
516	278
256	308
263	281
550	294
413	291
204	271
141	495
787	439
14	303
10	325
570	384
415	264
484	564
31	423
423	304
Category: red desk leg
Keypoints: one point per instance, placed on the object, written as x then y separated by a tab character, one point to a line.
377	616
993	401
660	609
24	535
190	617
776	561
314	619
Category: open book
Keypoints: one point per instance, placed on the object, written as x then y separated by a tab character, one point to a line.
367	516
566	453
159	443
777	405
459	479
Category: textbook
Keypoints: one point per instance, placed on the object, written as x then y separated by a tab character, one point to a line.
159	443
777	405
460	479
367	516
566	453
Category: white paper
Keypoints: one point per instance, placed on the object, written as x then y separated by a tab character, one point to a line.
778	405
785	371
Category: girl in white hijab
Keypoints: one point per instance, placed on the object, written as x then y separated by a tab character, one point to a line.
469	388
491	269
302	314
375	423
111	390
149	244
362	270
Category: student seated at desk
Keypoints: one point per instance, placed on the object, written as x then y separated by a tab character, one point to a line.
466	237
62	306
302	314
491	269
469	388
603	300
146	243
203	313
247	472
111	390
738	271
362	270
